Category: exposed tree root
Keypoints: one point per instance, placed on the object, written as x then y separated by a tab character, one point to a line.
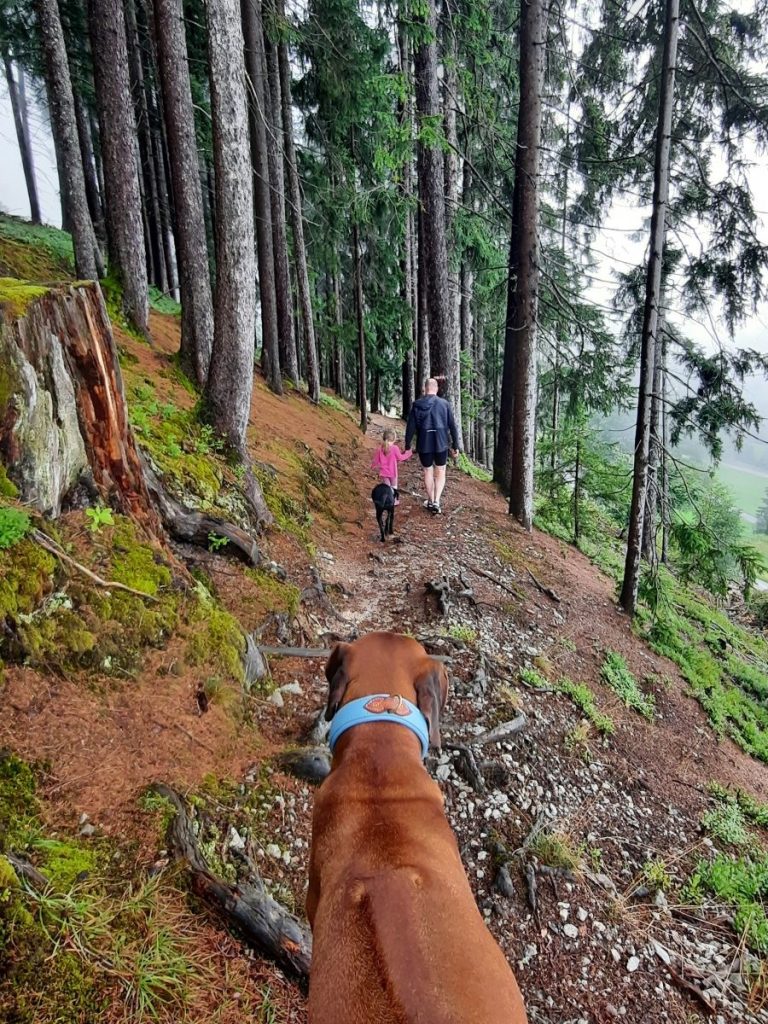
246	908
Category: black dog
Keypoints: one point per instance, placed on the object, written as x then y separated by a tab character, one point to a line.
383	497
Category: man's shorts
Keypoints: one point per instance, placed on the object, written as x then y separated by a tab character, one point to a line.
428	459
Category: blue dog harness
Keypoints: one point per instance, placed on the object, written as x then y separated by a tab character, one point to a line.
368	709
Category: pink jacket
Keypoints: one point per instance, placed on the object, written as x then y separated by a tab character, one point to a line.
386	462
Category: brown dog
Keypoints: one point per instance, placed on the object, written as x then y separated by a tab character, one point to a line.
397	936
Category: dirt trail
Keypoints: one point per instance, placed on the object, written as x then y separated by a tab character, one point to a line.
615	805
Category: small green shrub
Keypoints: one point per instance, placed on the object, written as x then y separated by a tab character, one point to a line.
615	672
98	517
742	884
725	822
750	808
584	699
14	526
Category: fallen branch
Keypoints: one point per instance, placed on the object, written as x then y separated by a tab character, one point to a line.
493	579
27	871
544	590
690	987
501	732
53	548
467	766
246	908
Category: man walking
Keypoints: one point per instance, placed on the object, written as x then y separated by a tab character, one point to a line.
431	421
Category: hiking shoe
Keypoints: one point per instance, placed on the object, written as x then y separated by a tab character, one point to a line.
435	510
429	505
397	501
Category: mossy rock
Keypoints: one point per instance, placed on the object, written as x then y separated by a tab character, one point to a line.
217	641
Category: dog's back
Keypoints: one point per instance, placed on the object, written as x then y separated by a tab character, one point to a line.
383	496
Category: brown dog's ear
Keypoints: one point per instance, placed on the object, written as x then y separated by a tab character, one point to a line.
337	677
431	695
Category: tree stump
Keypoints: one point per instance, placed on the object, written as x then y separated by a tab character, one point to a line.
63	417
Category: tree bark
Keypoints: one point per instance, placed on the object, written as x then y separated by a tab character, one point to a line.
452	177
127	260
628	598
423	364
146	156
73	423
362	373
297	220
255	64
405	113
517	426
433	252
64	123
87	154
338	313
22	137
653	495
285	334
665	523
465	334
230	381
481	446
192	247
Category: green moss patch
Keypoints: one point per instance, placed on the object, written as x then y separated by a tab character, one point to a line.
8	488
16	295
35	252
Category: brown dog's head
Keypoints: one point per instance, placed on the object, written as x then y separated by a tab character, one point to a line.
388	663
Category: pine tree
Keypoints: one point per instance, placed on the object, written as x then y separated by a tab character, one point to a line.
127	257
230	380
194	278
64	124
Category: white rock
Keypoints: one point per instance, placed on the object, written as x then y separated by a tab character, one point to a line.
294	687
571	931
443	772
582	914
236	841
277	699
633	963
273	850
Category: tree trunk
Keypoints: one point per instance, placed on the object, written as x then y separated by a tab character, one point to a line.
22	137
653	496
285	336
517	432
465	334
362	381
665	523
433	252
297	219
452	178
405	116
230	381
64	123
127	261
147	163
192	248
423	364
93	196
338	312
480	419
255	64
631	579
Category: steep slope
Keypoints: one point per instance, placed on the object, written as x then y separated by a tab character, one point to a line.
595	803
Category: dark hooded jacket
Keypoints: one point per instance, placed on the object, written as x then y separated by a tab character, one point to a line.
431	420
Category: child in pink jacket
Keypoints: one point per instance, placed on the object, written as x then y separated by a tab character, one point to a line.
386	460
